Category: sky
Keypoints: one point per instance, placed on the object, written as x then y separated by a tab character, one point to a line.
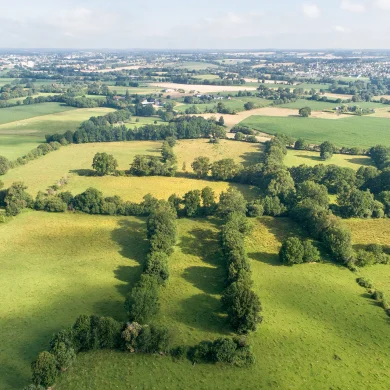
195	24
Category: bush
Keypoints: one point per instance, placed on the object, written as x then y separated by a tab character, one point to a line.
64	355
326	150
292	251
4	165
311	253
180	352
305	112
157	265
363	282
44	369
379	255
153	339
255	209
364	258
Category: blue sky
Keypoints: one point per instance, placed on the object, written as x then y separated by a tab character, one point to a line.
191	24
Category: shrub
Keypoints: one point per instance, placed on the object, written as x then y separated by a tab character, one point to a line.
310	253
326	150
55	204
44	369
4	165
153	339
64	355
305	112
157	265
363	282
364	258
180	352
255	209
379	255
292	251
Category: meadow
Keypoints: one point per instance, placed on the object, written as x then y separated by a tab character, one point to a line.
19	137
193	65
349	131
143	90
304	342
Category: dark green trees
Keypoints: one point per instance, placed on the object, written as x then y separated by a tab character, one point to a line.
44	369
305	112
326	150
201	166
4	165
104	163
295	251
16	199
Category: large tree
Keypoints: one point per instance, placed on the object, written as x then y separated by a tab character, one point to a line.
201	166
104	163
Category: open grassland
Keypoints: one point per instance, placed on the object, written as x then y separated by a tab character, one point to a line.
193	65
206	77
18	113
346	131
298	157
18	138
242	152
305	341
75	161
54	268
373	231
143	90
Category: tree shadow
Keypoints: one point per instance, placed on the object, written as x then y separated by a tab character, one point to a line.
204	278
360	161
84	172
314	158
203	311
251	158
131	237
267	258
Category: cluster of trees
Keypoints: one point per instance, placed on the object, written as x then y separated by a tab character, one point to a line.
15	199
239	300
94	333
297	251
372	254
144	165
143	302
327	147
104	164
101	129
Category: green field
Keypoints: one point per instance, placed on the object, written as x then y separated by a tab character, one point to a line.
18	113
206	77
193	65
145	90
305	341
311	86
298	157
18	138
6	80
349	131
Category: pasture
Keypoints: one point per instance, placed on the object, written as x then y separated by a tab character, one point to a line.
203	88
346	131
18	138
304	342
194	65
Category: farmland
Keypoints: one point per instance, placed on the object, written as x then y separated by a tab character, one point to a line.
348	131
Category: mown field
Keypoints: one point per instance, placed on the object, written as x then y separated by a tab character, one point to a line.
349	131
19	137
305	341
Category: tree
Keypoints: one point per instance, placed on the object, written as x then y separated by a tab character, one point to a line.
142	302
157	265
16	199
356	203
326	150
201	166
249	106
224	169
243	307
4	165
104	163
300	144
239	136
317	193
192	203
310	253
44	369
90	201
305	112
292	251
64	355
221	121
231	201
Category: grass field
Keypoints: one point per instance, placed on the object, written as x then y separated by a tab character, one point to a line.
54	268
21	99
206	77
305	341
18	138
349	131
132	90
298	157
373	231
18	113
193	65
74	159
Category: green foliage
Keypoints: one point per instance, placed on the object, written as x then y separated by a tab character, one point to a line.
225	169
64	355
364	282
255	209
104	163
326	150
292	251
243	307
231	201
4	165
300	144
201	166
192	201
356	203
273	206
305	112
44	369
314	192
157	265
90	201
142	303
208	201
16	199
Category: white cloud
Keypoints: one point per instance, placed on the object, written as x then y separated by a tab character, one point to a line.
351	6
341	29
382	4
311	10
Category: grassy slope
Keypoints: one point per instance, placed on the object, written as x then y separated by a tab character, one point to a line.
54	268
18	138
350	131
318	332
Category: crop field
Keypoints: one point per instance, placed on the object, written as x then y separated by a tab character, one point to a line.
313	104
349	131
298	157
18	138
75	162
304	342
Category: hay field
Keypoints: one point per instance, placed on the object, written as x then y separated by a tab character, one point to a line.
305	341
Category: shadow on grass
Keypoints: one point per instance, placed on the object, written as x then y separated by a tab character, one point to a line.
84	172
361	161
251	158
314	158
204	312
131	237
267	258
